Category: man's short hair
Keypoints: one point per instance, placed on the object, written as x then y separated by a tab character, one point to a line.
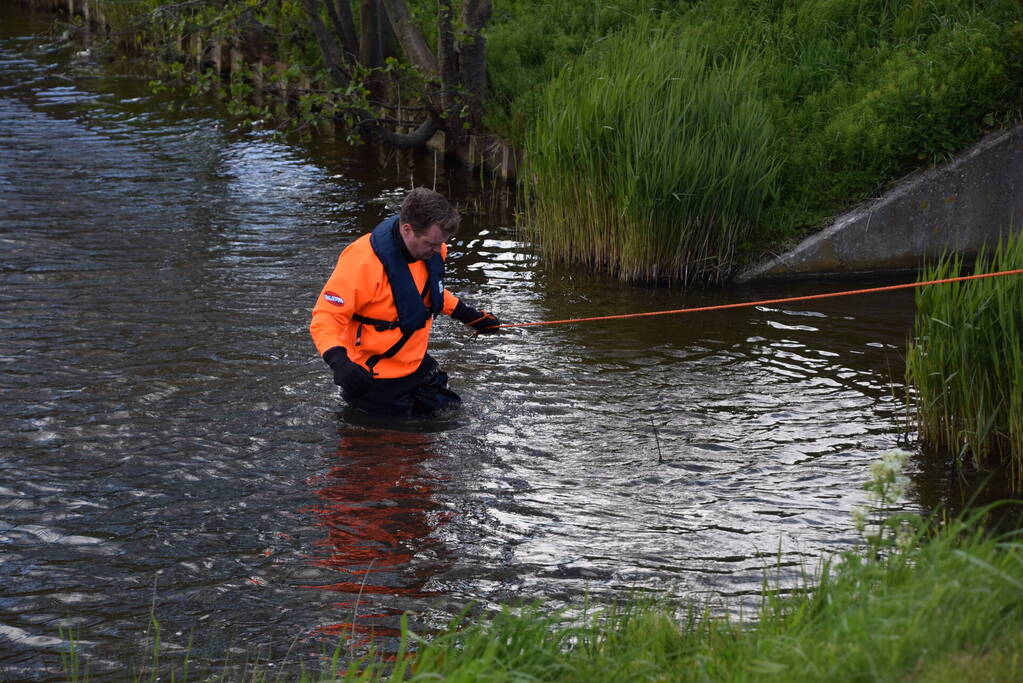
424	207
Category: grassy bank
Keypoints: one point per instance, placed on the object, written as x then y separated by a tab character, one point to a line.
966	362
948	611
852	95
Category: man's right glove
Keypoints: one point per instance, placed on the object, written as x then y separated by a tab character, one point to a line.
354	379
481	321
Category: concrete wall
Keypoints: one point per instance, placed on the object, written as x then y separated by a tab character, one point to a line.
958	206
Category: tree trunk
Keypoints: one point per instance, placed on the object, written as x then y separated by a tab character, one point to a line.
475	15
370	54
450	83
411	38
328	44
388	41
340	13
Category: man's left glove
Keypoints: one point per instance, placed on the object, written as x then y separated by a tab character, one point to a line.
481	321
350	376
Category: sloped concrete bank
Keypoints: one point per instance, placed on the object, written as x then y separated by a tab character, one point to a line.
956	207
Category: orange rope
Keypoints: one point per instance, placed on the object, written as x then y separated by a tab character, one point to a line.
765	302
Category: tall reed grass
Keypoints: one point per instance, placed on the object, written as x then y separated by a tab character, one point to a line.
652	159
966	362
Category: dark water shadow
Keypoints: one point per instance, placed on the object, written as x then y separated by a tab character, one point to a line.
352	420
950	492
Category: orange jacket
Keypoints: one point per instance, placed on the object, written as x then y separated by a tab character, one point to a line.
360	285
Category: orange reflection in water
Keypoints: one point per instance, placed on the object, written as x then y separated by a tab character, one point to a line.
377	506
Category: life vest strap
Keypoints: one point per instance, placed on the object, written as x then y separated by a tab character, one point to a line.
378	325
395	348
383	326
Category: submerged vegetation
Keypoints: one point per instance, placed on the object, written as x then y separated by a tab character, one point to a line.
966	362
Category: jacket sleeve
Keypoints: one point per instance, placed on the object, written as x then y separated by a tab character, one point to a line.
343	295
450	301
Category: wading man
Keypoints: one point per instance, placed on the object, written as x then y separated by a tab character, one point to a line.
371	323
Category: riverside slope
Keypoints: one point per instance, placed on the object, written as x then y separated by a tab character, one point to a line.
960	206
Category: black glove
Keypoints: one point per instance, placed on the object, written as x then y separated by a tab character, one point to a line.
354	379
481	321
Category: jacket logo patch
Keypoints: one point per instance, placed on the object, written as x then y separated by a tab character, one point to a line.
334	298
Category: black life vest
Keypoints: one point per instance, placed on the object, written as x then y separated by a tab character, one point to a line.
410	303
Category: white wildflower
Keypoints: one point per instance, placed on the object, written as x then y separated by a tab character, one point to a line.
859	516
887	481
904	539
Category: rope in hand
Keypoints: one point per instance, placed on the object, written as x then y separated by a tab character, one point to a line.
765	302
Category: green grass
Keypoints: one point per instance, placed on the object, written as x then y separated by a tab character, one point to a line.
966	363
527	49
849	94
660	165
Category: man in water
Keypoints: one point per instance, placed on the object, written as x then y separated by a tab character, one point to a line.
371	323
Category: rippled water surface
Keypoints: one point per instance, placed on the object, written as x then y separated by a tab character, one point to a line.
171	440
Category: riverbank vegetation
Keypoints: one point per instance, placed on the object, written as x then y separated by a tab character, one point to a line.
849	96
771	117
943	611
966	364
654	158
400	73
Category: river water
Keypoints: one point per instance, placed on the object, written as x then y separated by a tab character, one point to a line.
172	447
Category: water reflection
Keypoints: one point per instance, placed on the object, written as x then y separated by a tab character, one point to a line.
377	505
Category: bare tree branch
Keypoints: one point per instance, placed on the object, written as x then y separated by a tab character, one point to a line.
417	138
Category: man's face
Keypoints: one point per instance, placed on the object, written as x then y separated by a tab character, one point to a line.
426	245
